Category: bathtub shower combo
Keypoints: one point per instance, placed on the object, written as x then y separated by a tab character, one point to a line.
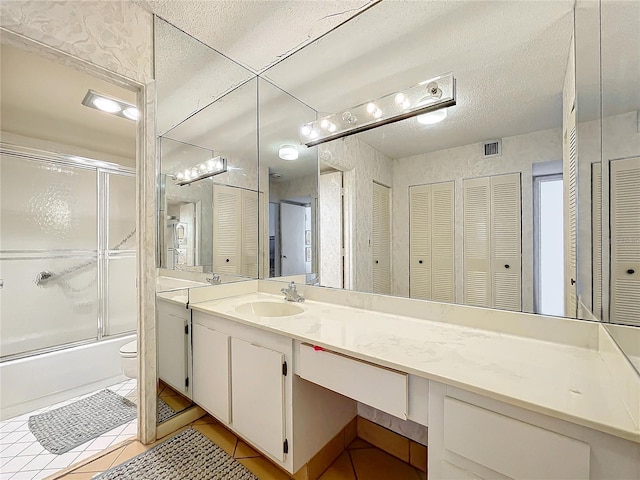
68	269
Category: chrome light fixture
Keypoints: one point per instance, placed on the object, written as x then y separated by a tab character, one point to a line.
112	105
428	96
213	166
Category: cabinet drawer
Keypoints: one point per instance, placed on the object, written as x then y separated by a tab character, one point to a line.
511	447
379	387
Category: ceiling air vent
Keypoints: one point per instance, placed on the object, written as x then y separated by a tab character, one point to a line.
492	148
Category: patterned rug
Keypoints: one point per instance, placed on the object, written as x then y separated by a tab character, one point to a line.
165	412
187	456
64	428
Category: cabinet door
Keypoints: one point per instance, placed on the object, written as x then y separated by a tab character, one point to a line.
211	379
173	350
257	384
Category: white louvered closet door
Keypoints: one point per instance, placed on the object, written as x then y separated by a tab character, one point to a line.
506	239
477	242
381	239
625	241
442	241
570	177
227	229
420	242
596	237
249	229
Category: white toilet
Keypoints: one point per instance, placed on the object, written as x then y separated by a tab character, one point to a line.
129	359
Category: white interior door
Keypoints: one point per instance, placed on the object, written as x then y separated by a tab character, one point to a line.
331	236
250	234
625	241
442	242
477	242
506	242
420	242
381	239
258	396
596	237
292	225
570	177
227	229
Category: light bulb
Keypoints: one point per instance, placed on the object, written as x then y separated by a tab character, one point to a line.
131	113
106	105
377	113
187	174
202	167
305	130
400	98
371	108
180	176
332	127
432	117
325	123
194	172
313	135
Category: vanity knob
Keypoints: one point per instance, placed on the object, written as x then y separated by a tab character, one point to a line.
377	261
420	262
227	260
631	271
507	266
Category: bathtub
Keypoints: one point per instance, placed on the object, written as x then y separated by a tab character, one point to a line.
34	382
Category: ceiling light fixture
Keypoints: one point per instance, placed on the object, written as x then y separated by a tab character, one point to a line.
108	104
288	152
213	166
428	96
432	117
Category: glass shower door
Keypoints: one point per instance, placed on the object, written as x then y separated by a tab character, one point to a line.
48	254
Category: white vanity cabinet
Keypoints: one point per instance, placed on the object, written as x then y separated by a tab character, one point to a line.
244	376
211	367
174	346
474	437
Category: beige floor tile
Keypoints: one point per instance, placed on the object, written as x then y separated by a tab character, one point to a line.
101	464
78	476
385	439
263	469
177	402
205	420
341	469
374	464
130	451
359	443
244	451
219	435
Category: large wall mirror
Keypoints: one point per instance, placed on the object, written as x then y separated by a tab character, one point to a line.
506	201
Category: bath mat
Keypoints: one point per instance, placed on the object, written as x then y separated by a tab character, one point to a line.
165	412
64	428
189	455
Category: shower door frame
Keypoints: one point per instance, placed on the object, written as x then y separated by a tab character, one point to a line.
102	170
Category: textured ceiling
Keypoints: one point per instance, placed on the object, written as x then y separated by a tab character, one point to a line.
509	59
255	33
42	99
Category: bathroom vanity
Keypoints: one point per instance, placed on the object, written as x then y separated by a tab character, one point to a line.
499	400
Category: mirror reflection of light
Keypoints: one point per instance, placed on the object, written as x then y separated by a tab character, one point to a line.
131	113
432	117
305	130
288	152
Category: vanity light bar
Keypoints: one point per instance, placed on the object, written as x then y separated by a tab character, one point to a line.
213	166
427	96
108	104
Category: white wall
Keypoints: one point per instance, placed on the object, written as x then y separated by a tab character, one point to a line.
518	155
362	165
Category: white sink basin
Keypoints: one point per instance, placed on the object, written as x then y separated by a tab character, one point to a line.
269	309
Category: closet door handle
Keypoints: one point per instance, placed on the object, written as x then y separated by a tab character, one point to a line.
377	261
420	262
573	282
631	271
227	260
507	266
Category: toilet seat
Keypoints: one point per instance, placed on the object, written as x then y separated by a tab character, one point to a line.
129	350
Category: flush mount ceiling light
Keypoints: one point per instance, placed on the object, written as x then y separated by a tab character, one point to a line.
428	96
432	117
112	105
288	152
213	166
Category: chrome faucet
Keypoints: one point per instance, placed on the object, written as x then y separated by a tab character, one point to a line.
291	293
214	280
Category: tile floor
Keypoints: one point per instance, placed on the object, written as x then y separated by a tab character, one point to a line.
176	401
23	458
361	461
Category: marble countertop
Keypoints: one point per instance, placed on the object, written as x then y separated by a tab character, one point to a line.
567	382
